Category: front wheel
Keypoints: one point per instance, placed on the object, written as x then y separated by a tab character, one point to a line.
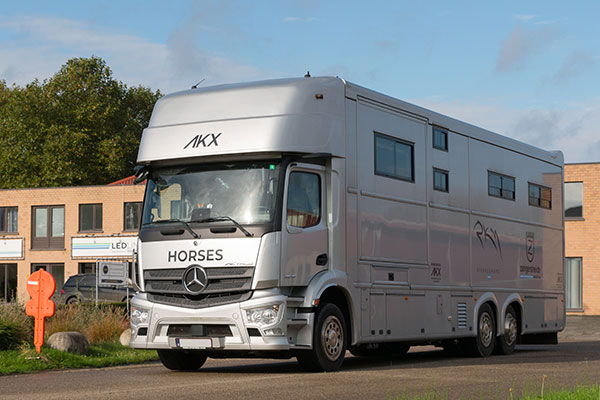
181	360
329	341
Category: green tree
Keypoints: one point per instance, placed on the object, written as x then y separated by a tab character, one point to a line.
80	127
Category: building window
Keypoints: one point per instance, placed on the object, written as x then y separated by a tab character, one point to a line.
394	158
573	283
540	196
502	186
48	227
304	200
90	217
573	199
8	220
8	282
440	139
56	270
440	180
87	268
133	212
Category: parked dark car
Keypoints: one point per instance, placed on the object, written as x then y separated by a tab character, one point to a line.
82	289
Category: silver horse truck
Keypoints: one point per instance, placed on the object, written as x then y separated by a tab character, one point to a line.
306	217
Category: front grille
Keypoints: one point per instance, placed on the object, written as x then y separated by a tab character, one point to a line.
204	301
225	285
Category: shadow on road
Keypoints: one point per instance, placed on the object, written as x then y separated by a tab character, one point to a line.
429	357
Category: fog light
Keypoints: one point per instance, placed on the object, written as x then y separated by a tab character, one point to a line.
264	316
273	332
139	316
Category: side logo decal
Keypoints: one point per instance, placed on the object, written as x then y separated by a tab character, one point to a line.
210	139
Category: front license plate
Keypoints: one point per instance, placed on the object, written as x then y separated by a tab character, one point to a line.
193	343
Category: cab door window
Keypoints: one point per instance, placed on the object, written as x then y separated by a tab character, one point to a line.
304	199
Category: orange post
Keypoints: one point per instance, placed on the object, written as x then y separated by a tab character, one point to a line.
41	287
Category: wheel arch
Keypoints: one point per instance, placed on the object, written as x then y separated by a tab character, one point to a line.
487	298
341	298
516	302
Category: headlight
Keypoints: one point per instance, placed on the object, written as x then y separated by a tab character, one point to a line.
139	316
264	316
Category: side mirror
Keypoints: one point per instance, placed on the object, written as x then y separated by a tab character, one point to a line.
141	173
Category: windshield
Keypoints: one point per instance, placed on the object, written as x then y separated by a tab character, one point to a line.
246	192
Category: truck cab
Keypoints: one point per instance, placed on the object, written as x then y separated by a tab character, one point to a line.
235	246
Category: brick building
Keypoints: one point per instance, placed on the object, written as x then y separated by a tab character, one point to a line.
582	249
64	230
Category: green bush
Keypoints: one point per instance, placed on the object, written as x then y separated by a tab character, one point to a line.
11	334
98	324
16	327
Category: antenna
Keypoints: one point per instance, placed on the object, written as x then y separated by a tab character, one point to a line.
196	85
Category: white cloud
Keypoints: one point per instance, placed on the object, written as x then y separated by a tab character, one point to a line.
299	19
521	44
40	45
575	129
525	17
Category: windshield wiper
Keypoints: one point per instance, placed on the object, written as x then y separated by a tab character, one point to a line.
185	224
225	218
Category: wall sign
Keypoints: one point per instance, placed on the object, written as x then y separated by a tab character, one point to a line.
102	246
11	248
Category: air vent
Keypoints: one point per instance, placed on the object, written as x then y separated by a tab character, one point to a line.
462	315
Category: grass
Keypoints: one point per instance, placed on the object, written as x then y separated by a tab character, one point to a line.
580	392
102	325
99	324
26	360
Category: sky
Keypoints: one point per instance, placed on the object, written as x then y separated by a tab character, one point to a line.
525	69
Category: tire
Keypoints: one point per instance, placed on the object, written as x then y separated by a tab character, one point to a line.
329	341
72	300
505	343
483	344
181	360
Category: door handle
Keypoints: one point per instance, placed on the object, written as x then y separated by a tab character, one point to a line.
322	259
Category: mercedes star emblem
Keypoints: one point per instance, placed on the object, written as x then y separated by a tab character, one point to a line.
195	279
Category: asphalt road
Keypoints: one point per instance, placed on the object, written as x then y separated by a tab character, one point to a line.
423	370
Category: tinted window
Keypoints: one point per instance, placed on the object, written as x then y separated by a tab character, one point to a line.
501	185
90	217
8	219
540	196
440	180
574	199
87	281
394	158
133	213
440	139
304	199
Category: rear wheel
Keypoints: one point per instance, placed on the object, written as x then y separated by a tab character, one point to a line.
181	360
329	341
506	343
483	344
72	300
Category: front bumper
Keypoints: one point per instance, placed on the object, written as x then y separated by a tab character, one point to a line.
154	333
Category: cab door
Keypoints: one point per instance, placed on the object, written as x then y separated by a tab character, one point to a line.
304	233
